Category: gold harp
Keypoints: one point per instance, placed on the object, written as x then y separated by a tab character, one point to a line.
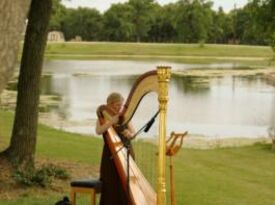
141	192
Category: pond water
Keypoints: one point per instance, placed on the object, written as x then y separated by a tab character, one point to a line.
212	107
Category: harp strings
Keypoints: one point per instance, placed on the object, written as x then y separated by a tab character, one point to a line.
135	174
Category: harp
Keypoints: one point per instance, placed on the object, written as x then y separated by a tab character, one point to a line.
140	190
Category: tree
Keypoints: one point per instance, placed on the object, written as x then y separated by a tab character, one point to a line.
23	141
57	16
217	31
84	22
117	25
193	20
141	16
13	16
163	26
265	18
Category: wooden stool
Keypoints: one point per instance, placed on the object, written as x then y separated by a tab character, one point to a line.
90	186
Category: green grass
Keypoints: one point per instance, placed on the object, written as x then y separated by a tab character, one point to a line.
239	176
56	144
181	53
67	146
157	49
32	200
226	176
164	51
27	200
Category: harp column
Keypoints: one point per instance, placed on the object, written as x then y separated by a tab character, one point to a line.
164	74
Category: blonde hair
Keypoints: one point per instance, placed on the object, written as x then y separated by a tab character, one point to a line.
114	97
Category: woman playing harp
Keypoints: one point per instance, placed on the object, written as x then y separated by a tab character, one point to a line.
112	190
132	180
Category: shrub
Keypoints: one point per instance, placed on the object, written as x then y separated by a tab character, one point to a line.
39	177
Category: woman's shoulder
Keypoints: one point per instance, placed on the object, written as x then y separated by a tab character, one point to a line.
100	109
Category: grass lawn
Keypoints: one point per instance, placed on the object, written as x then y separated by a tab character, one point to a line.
56	144
157	49
239	176
187	53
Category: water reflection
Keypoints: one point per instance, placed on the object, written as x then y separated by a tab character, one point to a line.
46	87
214	107
272	115
192	85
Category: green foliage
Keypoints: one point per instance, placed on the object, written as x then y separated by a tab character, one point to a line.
32	178
117	25
56	172
141	17
183	21
163	24
128	22
57	17
83	22
220	28
39	177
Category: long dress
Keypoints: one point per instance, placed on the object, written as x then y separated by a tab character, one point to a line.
112	192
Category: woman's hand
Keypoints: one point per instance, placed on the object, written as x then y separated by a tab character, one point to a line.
114	119
101	128
127	133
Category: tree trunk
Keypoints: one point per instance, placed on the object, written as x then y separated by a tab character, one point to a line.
13	16
23	141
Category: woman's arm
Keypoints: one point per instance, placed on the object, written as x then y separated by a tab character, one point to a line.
129	132
131	128
101	128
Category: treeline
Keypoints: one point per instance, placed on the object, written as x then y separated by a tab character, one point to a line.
186	21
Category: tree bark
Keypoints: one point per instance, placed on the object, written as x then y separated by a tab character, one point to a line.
13	15
23	141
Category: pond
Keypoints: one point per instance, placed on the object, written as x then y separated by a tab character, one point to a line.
213	107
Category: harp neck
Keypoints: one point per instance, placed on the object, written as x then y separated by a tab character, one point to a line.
146	83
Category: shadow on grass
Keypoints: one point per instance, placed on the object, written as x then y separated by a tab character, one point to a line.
265	147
